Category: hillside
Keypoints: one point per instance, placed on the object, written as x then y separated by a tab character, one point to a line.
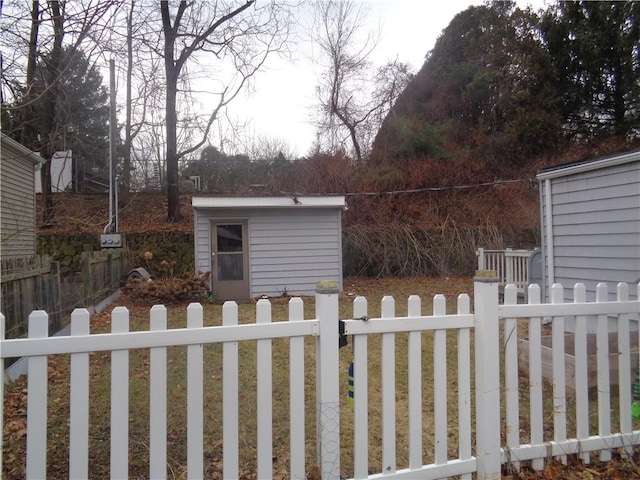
89	214
501	205
419	217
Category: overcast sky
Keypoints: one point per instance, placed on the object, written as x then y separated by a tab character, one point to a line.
282	105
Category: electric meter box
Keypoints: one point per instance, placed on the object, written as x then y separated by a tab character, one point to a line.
111	240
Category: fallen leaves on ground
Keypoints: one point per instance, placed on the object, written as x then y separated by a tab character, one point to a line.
618	468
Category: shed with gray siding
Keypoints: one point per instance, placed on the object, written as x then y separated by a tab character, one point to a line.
255	246
590	217
17	199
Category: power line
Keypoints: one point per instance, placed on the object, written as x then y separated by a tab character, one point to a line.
439	189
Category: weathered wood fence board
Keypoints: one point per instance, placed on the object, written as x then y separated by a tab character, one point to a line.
27	284
34	283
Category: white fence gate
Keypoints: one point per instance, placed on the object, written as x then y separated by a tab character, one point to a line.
492	330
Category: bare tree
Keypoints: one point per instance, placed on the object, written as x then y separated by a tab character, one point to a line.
49	129
238	38
143	83
128	130
53	25
351	106
29	131
263	147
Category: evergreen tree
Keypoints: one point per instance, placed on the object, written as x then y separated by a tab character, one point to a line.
595	47
487	83
81	109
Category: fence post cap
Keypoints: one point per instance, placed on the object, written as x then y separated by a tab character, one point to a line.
487	276
327	287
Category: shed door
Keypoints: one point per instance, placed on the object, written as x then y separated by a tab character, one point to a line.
229	260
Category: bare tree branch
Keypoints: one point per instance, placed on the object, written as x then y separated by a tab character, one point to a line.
351	106
242	36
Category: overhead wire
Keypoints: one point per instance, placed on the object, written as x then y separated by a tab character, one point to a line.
438	189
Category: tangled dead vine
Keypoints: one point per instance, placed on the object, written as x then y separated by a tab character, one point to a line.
396	249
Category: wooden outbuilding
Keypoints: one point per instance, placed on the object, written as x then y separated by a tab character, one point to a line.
268	246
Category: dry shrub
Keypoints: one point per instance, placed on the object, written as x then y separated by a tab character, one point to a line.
410	250
167	290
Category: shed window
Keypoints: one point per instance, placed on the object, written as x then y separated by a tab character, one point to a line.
229	238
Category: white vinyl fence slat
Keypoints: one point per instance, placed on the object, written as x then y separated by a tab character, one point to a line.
487	373
195	397
265	395
414	309
569	309
582	371
536	423
388	367
464	385
169	338
79	401
230	399
327	379
440	389
361	401
158	398
573	446
410	324
120	399
604	385
559	383
296	395
624	367
491	454
37	401
511	374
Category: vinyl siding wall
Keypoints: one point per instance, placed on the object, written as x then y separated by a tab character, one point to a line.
596	228
290	250
17	205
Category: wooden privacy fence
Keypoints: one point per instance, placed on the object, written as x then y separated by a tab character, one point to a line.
491	332
27	284
102	273
34	283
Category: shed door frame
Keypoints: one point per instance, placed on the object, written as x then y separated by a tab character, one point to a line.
230	258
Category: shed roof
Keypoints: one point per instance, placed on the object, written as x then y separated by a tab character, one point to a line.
298	201
590	164
17	148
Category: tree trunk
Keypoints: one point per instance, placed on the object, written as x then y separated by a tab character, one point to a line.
48	131
29	136
126	166
172	70
173	190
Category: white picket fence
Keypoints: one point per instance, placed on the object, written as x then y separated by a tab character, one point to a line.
491	329
512	266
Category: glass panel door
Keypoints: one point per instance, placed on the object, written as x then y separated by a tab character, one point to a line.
230	260
230	252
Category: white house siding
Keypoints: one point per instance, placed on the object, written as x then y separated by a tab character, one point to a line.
290	249
17	204
595	228
202	233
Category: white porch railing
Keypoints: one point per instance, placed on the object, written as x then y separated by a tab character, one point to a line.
491	323
512	266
